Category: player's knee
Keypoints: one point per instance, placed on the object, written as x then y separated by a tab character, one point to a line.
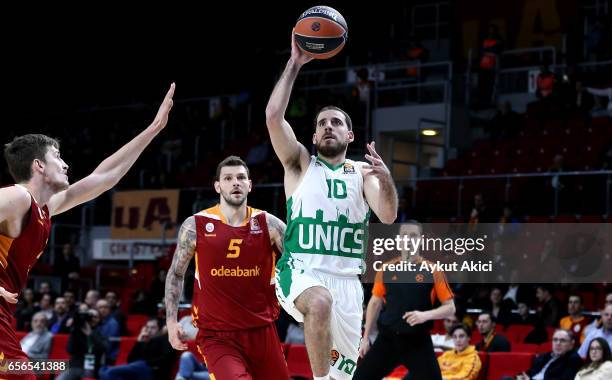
320	306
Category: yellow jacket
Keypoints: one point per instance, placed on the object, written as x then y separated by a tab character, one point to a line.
460	366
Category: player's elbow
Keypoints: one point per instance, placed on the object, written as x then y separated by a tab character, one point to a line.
274	116
388	217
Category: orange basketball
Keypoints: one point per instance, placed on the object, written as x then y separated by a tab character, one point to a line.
321	32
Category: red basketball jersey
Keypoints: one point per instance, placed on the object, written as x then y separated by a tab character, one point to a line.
18	255
234	284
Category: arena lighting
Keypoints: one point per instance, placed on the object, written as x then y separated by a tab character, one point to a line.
429	132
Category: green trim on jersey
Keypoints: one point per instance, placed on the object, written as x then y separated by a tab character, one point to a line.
330	166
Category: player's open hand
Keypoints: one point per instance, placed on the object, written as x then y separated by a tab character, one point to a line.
377	166
364	346
161	119
8	296
297	55
176	335
416	317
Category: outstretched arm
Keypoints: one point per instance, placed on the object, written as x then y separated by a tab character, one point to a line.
379	187
290	152
185	249
277	228
113	168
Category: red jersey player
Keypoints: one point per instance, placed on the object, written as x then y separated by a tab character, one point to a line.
42	190
234	303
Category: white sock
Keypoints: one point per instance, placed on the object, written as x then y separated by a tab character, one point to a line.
326	377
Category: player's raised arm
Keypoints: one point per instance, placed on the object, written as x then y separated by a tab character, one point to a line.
185	249
379	188
291	153
113	168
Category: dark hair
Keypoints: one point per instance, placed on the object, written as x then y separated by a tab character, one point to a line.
20	153
463	327
606	354
230	161
489	313
349	123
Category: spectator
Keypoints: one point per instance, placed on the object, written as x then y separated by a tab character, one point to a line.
463	361
480	213
550	308
91	298
191	369
417	55
523	317
500	311
37	343
45	288
605	331
86	347
113	302
491	342
597	323
67	265
25	309
492	46
71	305
151	357
444	342
545	83
560	364
599	362
575	321
61	321
46	307
109	328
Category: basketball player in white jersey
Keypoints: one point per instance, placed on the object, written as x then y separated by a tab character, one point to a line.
329	199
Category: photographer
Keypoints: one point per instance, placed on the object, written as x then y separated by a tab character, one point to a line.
86	346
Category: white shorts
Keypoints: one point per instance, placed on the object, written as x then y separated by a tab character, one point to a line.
346	316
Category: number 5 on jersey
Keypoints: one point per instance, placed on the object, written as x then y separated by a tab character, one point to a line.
234	248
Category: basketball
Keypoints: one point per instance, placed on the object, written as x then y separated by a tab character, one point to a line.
321	32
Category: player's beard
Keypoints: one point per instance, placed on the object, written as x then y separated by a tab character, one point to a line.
333	150
232	201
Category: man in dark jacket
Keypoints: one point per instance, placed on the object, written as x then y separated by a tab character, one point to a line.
561	364
152	357
491	342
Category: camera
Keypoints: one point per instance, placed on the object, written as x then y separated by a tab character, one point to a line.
81	318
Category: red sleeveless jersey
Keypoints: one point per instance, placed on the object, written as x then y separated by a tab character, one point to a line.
234	284
18	255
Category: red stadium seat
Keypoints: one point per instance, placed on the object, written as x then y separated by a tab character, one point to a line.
297	361
135	322
517	333
125	346
20	334
508	364
525	347
59	343
545	347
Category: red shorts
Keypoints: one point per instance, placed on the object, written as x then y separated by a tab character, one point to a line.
9	345
253	354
